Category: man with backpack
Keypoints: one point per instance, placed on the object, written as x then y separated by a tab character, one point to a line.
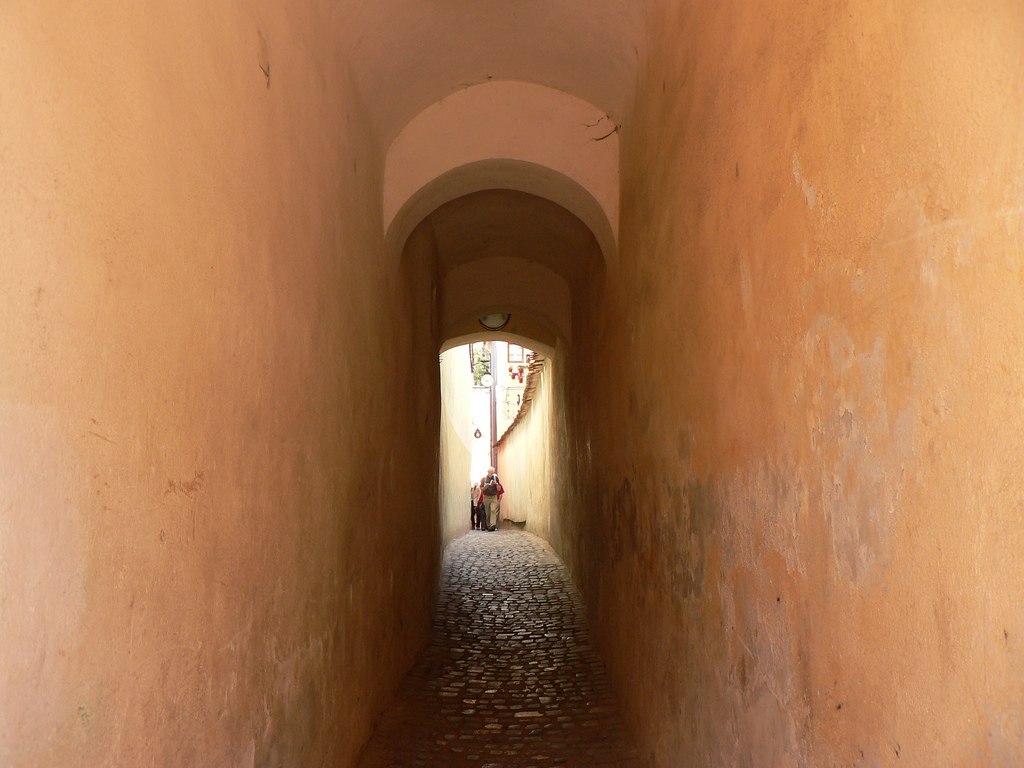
491	492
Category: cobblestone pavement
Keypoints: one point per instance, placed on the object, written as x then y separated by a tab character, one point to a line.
509	677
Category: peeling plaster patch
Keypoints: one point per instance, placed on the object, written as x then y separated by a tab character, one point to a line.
805	186
766	682
908	227
861	455
763	506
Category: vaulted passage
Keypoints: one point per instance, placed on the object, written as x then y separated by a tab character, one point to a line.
771	255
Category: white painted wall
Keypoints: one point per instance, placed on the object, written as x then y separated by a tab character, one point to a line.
456	441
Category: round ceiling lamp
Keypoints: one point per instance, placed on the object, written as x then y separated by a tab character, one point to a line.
495	321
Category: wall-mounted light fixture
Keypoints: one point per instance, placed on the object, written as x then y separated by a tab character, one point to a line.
495	321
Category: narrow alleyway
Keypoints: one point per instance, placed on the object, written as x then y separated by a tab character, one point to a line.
509	677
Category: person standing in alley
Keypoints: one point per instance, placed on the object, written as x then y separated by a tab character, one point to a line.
491	491
476	508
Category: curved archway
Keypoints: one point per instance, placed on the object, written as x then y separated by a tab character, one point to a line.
508	121
500	250
502	174
537	298
524	339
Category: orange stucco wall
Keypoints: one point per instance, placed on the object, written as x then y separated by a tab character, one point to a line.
785	431
802	519
203	369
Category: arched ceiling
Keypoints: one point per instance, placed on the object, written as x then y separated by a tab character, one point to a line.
503	223
516	175
516	286
405	55
498	126
514	122
508	251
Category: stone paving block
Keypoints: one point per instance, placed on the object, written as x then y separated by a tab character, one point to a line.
509	679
